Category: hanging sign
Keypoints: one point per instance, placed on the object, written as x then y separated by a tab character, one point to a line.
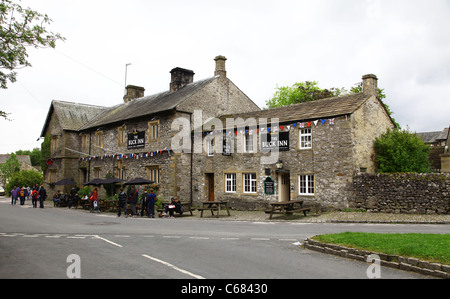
275	141
136	140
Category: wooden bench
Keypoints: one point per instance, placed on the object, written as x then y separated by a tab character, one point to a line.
287	207
212	209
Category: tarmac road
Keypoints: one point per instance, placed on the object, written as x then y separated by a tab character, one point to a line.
36	243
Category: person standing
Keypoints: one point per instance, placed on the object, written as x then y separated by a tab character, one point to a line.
122	203
22	196
42	196
14	195
34	197
144	202
94	201
151	203
133	197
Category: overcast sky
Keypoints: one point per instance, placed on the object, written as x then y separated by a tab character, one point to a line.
267	43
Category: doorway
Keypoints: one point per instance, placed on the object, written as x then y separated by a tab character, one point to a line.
210	184
284	193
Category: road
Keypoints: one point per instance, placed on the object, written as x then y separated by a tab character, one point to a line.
36	243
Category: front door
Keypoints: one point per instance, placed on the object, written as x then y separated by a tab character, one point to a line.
283	186
210	182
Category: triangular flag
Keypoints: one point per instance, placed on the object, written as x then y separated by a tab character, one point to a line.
295	125
315	122
309	124
332	121
281	128
323	121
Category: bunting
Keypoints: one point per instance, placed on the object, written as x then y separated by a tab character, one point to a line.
126	156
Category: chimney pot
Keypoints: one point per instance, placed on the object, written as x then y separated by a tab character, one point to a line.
133	92
220	66
370	84
180	77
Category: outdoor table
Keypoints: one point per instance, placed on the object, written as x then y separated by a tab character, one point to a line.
287	207
214	206
185	204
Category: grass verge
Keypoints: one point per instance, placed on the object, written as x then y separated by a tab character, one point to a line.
429	247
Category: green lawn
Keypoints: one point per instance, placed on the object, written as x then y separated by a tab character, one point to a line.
430	247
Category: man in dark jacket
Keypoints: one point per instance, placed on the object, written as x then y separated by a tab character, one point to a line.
42	196
133	197
122	203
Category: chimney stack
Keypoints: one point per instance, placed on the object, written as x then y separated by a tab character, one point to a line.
180	77
133	92
220	66
370	84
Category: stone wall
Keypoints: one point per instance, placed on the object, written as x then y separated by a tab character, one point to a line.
408	193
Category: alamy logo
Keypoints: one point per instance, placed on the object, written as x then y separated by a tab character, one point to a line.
374	270
234	130
74	269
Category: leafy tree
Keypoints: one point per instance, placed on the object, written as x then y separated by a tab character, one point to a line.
10	167
298	93
20	28
401	151
27	178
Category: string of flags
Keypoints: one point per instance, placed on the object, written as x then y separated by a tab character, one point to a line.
285	128
126	156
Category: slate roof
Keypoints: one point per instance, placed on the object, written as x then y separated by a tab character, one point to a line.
147	105
434	137
78	117
324	108
72	116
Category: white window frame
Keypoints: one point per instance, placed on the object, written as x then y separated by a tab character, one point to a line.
305	138
248	143
306	185
211	144
230	182
250	184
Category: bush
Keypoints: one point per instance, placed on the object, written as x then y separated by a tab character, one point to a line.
401	151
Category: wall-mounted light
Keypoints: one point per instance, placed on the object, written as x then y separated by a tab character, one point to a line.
279	164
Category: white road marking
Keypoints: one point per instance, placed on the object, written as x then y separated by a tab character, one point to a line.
108	241
173	267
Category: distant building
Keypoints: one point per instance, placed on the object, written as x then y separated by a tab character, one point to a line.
438	142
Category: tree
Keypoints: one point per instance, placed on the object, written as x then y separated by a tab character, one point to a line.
299	93
20	28
27	178
10	167
401	151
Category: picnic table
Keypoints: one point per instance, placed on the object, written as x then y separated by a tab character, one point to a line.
214	206
287	207
185	204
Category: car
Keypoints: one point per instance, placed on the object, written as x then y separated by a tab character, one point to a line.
2	191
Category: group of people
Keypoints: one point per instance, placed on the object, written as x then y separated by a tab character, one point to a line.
67	199
24	193
149	201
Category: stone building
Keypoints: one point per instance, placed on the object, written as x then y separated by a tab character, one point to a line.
321	146
229	148
134	138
